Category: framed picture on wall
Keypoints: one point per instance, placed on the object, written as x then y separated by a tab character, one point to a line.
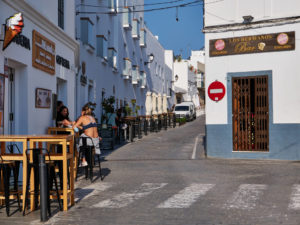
43	98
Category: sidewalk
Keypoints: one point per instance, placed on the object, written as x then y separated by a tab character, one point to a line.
160	148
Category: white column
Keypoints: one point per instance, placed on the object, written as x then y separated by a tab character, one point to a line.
154	104
159	104
148	103
165	104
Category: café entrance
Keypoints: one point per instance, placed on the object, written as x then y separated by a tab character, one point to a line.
250	114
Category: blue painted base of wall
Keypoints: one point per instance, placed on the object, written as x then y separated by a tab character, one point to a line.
284	143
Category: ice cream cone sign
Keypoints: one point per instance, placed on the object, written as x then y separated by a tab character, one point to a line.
13	26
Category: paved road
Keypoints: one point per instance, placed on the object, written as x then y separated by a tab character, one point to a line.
164	178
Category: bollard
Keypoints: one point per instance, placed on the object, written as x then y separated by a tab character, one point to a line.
43	188
145	126
130	132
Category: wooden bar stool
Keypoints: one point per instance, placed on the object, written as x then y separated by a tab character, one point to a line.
87	151
34	164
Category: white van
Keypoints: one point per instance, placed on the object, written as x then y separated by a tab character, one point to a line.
193	109
184	110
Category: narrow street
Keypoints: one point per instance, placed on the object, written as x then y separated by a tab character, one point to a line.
164	178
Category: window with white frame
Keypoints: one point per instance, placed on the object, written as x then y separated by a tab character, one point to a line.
143	38
143	79
112	6
87	31
135	74
102	46
135	28
112	58
127	17
127	69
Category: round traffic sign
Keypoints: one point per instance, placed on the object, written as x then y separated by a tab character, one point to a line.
216	91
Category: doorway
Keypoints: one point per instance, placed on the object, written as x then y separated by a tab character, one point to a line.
61	90
250	113
10	72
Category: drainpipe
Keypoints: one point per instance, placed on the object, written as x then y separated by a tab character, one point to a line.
76	94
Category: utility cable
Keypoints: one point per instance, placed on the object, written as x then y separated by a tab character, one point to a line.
147	4
145	10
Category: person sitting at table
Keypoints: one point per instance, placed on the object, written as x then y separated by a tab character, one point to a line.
59	104
89	127
62	119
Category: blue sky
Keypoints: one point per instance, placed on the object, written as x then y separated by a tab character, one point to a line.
182	36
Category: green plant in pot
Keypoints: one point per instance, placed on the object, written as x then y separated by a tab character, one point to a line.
108	108
128	110
135	107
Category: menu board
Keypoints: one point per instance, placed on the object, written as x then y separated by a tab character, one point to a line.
43	53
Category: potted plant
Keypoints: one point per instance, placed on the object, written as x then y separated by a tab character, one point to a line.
108	108
181	121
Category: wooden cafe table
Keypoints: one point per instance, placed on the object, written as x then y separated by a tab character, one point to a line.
63	140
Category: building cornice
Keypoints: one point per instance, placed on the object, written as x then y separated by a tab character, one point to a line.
252	25
44	24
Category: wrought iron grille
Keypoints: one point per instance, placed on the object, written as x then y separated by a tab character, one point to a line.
250	113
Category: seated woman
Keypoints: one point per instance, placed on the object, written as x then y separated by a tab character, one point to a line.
89	126
62	119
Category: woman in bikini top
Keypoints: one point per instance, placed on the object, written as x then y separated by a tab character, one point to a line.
87	123
89	126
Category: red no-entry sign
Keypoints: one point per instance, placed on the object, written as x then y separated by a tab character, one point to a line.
216	91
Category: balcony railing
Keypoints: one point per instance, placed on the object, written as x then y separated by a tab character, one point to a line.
127	18
135	74
127	70
200	84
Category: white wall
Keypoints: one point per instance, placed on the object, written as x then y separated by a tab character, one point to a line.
232	11
49	9
197	56
181	69
285	70
28	118
121	39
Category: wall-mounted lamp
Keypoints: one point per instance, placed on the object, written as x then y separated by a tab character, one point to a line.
150	58
176	77
248	19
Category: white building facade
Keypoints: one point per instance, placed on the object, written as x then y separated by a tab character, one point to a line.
119	56
197	60
251	47
38	67
185	82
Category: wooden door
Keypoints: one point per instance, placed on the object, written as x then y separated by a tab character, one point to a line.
250	116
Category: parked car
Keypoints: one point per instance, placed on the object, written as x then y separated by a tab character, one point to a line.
184	110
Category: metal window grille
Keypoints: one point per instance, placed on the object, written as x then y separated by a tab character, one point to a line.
250	113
